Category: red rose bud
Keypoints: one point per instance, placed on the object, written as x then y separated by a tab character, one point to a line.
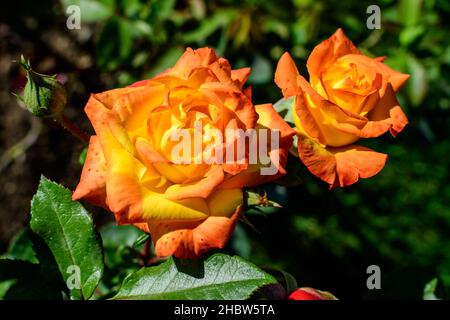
310	294
43	96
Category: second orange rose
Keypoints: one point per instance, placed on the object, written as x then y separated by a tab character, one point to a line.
349	96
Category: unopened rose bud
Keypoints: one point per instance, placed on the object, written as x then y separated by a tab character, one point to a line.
44	95
310	294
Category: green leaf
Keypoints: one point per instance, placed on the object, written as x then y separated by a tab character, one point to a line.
208	26
417	85
261	211
131	8
163	9
82	156
285	109
142	29
119	256
218	277
262	71
141	240
114	43
68	231
276	26
115	236
118	245
23	280
410	34
429	290
243	32
409	11
5	286
92	10
21	247
240	242
284	277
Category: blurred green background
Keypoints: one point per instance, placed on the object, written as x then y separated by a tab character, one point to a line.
399	220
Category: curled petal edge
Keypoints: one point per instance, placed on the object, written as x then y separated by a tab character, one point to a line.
341	166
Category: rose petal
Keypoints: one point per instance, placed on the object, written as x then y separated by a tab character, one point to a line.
240	76
269	119
339	167
125	195
223	202
198	189
305	294
190	60
286	75
327	52
92	185
333	126
395	78
389	110
319	118
190	241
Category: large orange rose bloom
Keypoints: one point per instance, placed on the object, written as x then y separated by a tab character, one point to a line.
349	96
187	208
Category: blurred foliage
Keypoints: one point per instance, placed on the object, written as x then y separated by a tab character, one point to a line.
400	219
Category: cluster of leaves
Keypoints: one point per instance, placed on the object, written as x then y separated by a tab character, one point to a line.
61	255
138	39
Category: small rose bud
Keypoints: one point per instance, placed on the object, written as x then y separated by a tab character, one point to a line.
44	95
260	199
310	294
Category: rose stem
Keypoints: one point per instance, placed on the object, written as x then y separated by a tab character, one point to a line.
147	252
73	129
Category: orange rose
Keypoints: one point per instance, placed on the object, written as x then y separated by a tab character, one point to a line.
130	168
349	96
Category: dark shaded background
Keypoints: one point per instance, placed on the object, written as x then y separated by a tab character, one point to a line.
399	220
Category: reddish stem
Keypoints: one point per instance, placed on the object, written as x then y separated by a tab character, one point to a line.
73	129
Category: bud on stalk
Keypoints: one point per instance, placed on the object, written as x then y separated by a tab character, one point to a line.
43	96
254	198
